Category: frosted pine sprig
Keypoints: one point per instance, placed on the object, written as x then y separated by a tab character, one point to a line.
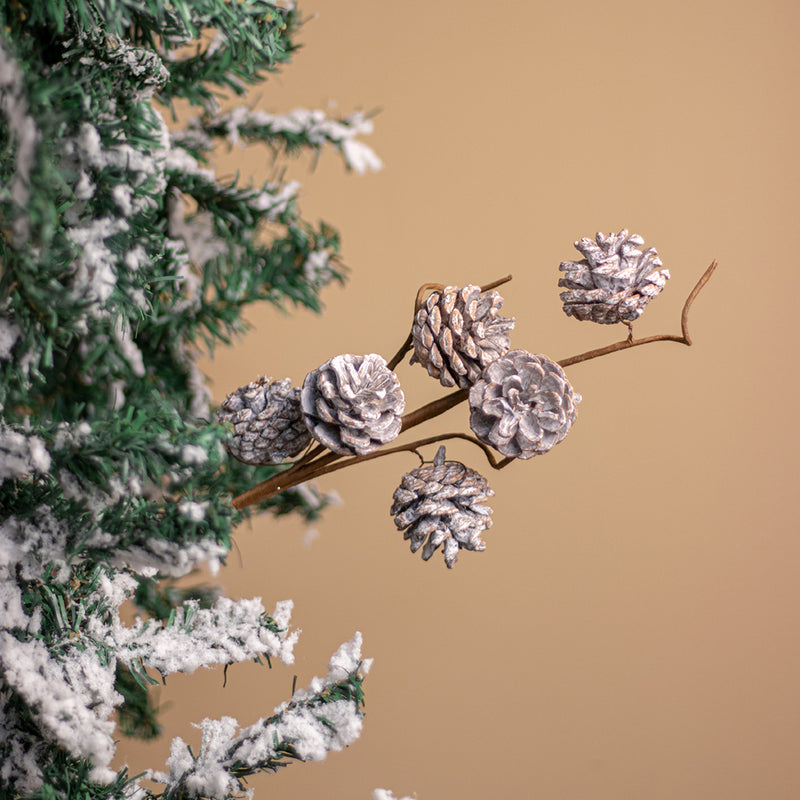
323	718
65	674
298	128
231	631
21	454
70	699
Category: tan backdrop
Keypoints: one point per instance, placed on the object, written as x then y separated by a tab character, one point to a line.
632	629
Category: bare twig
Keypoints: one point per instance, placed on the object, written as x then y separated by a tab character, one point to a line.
404	348
433	409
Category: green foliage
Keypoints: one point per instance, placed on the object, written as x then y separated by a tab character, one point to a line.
120	253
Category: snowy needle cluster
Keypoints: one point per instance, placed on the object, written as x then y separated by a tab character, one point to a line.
121	253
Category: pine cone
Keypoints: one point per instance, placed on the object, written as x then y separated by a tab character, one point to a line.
615	280
439	502
457	332
267	421
352	404
522	405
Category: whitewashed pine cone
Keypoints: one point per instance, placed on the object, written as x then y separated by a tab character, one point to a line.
615	280
352	404
438	505
267	421
457	332
523	405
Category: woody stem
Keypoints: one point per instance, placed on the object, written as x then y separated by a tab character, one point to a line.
313	470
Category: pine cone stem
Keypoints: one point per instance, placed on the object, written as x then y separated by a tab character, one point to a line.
624	344
398	356
494	284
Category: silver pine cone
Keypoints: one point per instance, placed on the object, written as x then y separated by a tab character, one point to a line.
438	505
352	404
457	332
523	405
614	281
267	421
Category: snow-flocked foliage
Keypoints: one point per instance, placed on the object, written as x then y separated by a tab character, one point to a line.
122	254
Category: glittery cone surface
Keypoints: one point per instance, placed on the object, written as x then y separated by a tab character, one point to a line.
267	421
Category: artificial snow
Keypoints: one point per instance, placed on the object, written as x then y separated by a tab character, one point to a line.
194	511
22	128
172	559
127	347
229	632
74	715
9	333
21	455
24	750
312	729
196	239
193	454
95	277
31	546
12	615
314	125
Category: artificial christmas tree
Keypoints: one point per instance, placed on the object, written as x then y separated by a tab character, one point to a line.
121	252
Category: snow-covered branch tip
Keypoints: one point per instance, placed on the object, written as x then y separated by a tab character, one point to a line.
323	718
300	127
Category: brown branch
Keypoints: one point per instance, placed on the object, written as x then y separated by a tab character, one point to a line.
495	284
285	480
404	348
624	344
410	447
433	409
294	476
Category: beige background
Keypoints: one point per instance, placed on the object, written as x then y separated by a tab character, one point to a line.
631	630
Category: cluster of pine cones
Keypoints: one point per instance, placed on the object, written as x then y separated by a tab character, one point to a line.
521	404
